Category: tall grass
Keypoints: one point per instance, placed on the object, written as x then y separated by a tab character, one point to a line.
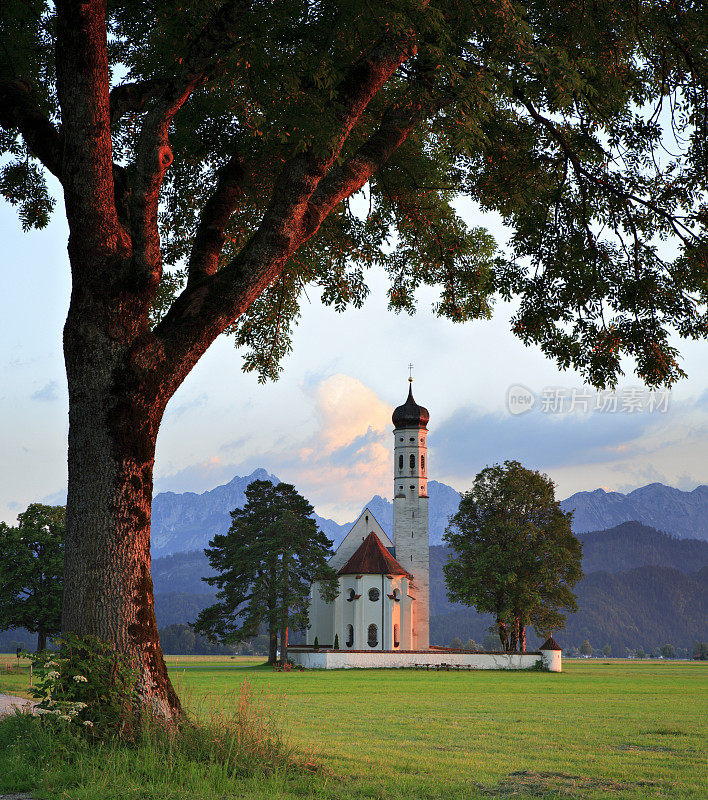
201	758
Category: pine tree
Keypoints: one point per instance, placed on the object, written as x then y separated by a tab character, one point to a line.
266	562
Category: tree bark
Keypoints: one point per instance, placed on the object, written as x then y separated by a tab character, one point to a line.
284	646
113	424
272	646
41	640
503	635
514	637
522	636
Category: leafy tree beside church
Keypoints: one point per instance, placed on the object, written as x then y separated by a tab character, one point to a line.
31	569
513	553
266	562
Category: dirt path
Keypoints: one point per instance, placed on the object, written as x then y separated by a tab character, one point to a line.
9	703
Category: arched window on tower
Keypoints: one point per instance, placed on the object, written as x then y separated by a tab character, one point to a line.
422	463
350	635
412	461
396	635
400	462
373	636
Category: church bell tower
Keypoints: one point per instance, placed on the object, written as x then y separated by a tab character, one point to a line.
410	509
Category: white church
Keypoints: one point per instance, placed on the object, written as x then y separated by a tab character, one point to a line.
381	617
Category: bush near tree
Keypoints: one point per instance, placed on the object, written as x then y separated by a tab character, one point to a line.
607	651
586	648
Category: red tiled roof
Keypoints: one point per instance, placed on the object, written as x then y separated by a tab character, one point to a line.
372	558
550	644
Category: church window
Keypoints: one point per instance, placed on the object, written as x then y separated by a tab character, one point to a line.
397	595
422	463
373	636
401	438
367	519
412	438
400	462
350	635
351	594
412	461
396	636
374	595
412	487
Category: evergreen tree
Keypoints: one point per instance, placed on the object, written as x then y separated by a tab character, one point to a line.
31	570
456	643
586	648
513	553
607	651
266	562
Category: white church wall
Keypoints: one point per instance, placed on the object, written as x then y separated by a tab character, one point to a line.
376	659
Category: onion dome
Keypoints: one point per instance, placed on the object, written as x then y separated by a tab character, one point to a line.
410	414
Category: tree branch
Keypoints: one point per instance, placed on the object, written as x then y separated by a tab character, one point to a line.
206	308
20	112
217	211
154	155
133	97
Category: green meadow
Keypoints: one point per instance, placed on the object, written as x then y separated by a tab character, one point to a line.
621	729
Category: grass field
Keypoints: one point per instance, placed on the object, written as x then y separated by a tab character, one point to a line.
623	729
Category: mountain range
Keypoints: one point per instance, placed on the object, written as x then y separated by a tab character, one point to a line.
187	521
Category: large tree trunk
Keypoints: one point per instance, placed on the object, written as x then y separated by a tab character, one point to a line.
522	636
272	646
108	590
503	634
41	640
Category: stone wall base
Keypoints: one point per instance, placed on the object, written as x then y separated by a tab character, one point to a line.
387	659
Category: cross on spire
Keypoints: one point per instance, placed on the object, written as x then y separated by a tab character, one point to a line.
410	373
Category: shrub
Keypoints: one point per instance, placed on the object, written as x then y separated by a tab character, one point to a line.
316	645
336	641
88	685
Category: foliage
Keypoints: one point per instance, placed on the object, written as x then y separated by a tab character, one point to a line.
700	651
235	750
335	646
607	651
87	682
456	643
265	565
31	570
181	639
583	126
586	648
513	552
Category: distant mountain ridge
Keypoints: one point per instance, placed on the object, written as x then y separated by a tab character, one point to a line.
182	522
684	514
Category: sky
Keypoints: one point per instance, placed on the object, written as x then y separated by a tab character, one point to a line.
326	424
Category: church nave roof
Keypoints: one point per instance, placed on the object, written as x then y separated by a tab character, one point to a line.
372	558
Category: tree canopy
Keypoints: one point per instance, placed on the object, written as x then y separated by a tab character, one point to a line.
266	563
513	552
31	569
240	132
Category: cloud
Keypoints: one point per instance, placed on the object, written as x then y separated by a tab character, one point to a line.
47	394
187	405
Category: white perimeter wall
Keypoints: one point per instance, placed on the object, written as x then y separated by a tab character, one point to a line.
379	660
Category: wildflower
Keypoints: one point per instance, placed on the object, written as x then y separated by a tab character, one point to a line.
65	717
79	706
51	664
42	711
80	679
88	723
52	674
